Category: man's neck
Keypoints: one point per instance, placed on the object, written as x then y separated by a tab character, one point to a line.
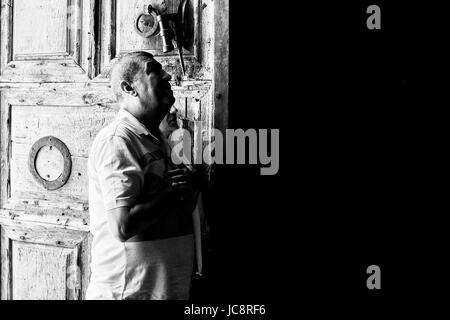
151	126
145	118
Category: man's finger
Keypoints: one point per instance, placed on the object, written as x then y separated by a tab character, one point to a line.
177	172
178	179
180	184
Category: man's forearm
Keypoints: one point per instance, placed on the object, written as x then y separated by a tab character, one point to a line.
146	212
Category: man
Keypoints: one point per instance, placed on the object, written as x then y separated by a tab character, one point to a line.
140	205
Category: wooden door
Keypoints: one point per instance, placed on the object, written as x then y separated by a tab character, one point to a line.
55	97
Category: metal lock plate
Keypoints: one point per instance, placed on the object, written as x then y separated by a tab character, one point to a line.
145	23
49	182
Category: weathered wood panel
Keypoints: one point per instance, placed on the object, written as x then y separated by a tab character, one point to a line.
38	272
42	212
44	235
45	69
47	41
42	262
76	126
24	187
46	35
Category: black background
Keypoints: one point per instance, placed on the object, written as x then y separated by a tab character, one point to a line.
361	119
360	115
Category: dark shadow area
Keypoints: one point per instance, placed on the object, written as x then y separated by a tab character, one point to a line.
355	108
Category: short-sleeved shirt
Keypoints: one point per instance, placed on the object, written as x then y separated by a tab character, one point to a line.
125	161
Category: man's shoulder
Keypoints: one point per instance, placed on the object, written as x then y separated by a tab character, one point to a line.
116	129
115	135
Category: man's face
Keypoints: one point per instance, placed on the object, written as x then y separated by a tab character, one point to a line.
154	89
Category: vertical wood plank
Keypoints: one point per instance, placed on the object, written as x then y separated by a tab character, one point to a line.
206	38
85	269
6	25
6	259
197	28
221	63
87	38
5	136
107	33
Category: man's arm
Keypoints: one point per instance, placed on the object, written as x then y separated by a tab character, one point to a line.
121	178
125	222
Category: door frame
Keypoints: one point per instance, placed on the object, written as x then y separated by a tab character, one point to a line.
221	63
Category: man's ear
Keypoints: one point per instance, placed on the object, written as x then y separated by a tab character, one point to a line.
128	88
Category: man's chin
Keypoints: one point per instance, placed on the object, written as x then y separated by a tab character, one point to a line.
168	101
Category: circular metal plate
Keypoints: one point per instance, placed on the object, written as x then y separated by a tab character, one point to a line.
50	142
146	25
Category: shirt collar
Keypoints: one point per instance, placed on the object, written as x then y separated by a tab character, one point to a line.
138	127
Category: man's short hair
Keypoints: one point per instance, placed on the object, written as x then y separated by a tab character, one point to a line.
127	68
